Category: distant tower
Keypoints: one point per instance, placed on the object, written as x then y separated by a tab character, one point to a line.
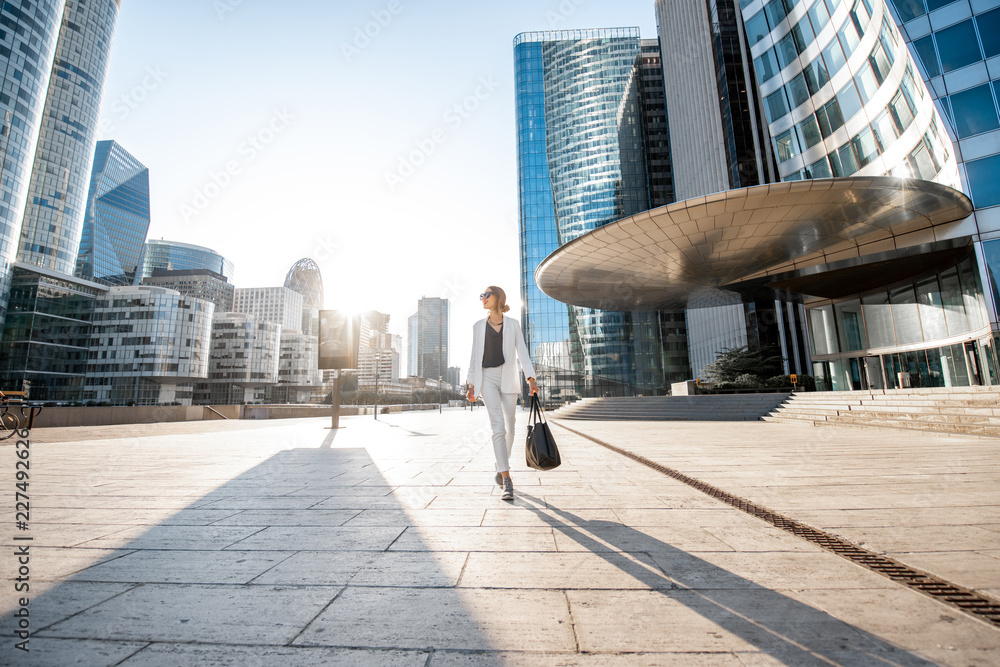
54	210
117	218
29	40
433	319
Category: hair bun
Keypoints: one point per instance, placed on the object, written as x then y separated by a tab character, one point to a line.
506	308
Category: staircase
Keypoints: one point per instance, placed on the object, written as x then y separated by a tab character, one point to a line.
956	410
715	407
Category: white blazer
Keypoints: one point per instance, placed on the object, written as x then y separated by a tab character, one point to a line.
513	343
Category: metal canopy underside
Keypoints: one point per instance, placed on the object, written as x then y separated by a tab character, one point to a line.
678	255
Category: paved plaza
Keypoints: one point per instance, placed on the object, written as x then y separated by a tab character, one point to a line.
387	543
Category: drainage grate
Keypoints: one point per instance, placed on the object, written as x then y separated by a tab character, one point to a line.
944	591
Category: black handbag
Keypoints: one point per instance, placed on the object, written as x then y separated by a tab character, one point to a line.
540	451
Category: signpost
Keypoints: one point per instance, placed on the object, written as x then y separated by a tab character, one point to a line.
339	335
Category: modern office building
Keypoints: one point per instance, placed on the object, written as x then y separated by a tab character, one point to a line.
280	305
433	322
161	255
26	60
377	358
867	231
60	175
148	345
572	182
197	283
305	278
117	217
46	335
243	362
299	378
412	337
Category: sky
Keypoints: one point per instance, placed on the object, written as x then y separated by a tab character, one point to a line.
376	137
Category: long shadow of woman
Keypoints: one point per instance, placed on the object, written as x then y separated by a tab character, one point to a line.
788	630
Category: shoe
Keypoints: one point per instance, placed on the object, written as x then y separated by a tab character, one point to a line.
499	479
508	490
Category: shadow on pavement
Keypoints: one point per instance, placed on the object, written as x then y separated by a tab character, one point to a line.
789	630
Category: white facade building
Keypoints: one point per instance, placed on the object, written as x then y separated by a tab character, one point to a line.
270	304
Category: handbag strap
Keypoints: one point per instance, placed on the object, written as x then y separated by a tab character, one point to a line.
536	408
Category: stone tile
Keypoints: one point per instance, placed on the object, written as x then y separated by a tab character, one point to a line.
411	569
308	517
185	567
171	655
725	620
316	568
513	516
418	517
49	651
290	538
51	602
212	614
524	659
471	619
446	538
775	570
607	536
53	563
260	503
605	570
173	537
68	534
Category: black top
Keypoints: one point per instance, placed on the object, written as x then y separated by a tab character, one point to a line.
493	349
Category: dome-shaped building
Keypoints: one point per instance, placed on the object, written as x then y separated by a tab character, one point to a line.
304	277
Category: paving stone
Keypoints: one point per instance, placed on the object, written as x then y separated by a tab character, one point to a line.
444	618
172	613
609	570
446	538
295	538
51	651
186	567
171	655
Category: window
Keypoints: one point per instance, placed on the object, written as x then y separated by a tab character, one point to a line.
777	105
819	169
866	82
819	16
975	111
849	101
928	55
776	13
757	27
786	146
803	34
816	76
798	92
808	133
909	9
848	161
878	318
937	4
921	163
786	51
983	181
901	113
850	325
766	66
905	315
989	31
849	38
829	118
833	57
885	130
880	64
958	46
865	147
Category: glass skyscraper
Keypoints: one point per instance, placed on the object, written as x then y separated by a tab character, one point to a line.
54	213
28	42
161	255
433	325
117	217
582	162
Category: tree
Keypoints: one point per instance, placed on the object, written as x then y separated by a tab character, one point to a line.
731	365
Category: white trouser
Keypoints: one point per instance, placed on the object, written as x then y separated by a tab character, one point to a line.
500	407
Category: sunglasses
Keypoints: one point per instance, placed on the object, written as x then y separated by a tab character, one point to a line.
485	295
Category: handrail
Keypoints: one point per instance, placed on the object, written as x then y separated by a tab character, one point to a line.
209	407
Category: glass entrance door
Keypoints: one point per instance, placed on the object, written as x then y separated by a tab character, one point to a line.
876	379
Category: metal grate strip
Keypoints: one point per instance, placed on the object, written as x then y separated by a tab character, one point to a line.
954	595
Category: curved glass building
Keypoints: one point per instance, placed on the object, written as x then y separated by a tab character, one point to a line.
160	255
60	176
841	93
28	42
581	164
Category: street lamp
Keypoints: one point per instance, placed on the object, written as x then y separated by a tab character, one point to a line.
439	395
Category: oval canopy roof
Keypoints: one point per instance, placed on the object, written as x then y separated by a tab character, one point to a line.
666	257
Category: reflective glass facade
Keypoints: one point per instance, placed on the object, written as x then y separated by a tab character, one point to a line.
841	93
583	160
147	346
27	47
244	360
46	336
433	322
173	255
117	217
54	212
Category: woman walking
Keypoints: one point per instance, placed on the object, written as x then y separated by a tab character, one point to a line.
496	340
